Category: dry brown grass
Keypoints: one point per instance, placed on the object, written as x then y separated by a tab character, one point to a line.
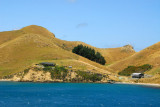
33	44
27	49
37	30
150	55
30	45
111	54
9	35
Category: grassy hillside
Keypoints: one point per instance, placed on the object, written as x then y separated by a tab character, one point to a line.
116	54
27	49
111	54
150	55
10	35
33	44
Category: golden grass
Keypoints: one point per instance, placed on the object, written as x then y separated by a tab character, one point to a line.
37	30
155	72
150	55
9	35
33	44
27	49
111	55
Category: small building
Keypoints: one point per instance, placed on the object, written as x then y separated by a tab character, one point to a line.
69	66
48	64
137	75
39	66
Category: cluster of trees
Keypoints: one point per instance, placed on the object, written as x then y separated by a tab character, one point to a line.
135	69
89	53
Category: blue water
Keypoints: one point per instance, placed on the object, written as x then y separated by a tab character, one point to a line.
18	94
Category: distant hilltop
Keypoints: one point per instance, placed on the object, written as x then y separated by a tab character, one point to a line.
128	48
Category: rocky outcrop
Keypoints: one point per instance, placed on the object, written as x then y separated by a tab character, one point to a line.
37	76
128	48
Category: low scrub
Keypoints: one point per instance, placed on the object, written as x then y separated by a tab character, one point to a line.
135	69
89	76
58	72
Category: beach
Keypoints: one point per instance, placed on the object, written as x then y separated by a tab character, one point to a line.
146	84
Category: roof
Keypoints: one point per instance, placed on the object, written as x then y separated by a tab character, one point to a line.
47	63
136	73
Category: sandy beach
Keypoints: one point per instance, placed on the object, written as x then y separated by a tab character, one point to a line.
145	84
4	80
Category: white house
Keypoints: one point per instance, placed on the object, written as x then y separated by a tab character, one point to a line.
137	75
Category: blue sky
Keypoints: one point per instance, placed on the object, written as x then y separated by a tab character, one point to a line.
101	23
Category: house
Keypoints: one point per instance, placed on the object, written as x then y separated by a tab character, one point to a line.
48	64
137	75
69	66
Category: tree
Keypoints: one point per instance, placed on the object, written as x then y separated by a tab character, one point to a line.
89	53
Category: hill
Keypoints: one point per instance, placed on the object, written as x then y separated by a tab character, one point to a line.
20	49
23	48
111	54
150	55
33	44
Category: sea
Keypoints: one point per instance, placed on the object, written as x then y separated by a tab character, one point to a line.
28	94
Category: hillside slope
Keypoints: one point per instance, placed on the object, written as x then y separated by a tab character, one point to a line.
111	55
33	44
150	55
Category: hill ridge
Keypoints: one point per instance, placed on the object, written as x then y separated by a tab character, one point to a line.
33	44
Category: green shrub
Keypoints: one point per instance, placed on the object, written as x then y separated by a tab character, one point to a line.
134	69
89	76
58	72
26	71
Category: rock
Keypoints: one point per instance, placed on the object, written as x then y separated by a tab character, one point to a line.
128	48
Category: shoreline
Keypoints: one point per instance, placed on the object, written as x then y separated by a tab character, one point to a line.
144	84
4	80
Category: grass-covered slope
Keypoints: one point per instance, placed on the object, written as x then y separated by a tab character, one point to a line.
111	55
10	35
150	55
116	54
33	44
22	48
27	49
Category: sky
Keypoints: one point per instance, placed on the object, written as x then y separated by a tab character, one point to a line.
101	23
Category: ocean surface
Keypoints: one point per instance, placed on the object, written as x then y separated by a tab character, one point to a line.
18	94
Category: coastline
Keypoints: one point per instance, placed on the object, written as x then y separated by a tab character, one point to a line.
4	80
144	84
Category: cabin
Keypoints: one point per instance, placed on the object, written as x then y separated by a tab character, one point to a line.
69	66
137	75
48	64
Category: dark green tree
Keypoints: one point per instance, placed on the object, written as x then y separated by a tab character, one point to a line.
89	53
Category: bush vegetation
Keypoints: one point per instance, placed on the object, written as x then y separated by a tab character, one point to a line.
58	72
26	71
89	53
89	76
135	69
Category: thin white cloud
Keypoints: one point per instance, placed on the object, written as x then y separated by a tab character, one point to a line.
82	25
